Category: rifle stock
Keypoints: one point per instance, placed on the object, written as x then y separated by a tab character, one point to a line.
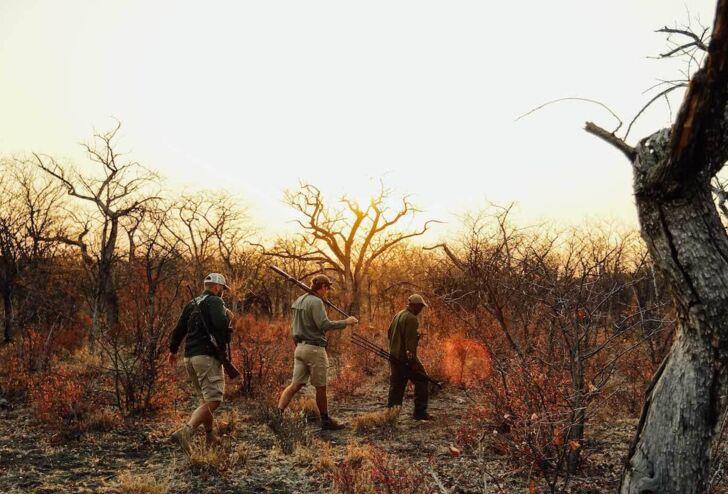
230	370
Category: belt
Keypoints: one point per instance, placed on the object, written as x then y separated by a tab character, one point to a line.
309	342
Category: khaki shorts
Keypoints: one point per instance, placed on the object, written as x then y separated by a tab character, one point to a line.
206	375
310	362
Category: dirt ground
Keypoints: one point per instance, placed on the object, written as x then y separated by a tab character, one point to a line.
33	460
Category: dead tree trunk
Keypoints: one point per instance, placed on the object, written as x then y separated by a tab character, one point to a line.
673	169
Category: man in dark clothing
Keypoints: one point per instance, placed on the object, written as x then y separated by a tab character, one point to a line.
403	341
201	359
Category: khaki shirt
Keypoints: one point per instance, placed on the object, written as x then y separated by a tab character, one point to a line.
310	322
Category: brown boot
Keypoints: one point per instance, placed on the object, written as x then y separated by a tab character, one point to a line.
183	437
423	416
329	424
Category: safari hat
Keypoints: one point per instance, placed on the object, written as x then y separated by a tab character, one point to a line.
216	278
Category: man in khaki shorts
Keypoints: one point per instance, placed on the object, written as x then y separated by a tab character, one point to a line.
204	369
311	363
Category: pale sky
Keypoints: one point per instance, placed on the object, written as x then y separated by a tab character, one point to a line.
255	96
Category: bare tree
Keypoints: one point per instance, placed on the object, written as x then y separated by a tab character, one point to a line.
673	169
28	210
557	315
349	238
212	228
117	191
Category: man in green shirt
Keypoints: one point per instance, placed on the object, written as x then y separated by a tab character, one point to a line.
203	367
403	341
311	363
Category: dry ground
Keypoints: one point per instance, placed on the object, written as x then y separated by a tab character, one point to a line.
31	461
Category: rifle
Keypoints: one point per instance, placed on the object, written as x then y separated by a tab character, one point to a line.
357	339
231	371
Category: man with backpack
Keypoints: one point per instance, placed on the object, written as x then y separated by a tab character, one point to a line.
204	316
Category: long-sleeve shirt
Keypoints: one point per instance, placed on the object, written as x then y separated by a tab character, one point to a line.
403	336
189	326
310	322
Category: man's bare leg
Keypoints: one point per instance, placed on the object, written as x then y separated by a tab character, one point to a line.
321	401
203	415
288	395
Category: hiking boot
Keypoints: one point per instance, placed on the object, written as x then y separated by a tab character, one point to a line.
212	440
183	437
329	424
423	416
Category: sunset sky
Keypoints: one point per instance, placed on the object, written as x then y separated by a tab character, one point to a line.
255	96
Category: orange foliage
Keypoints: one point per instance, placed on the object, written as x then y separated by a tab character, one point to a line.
263	352
466	362
64	397
346	382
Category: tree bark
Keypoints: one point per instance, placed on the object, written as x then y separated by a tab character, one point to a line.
679	222
685	401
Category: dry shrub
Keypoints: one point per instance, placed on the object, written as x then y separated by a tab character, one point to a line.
528	426
352	475
347	382
241	455
130	483
318	455
306	406
228	421
291	429
102	420
467	362
208	460
368	470
65	397
381	419
13	376
258	349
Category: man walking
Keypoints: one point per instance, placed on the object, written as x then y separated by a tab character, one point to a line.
201	361
311	363
403	342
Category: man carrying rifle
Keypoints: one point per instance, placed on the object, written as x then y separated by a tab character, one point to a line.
202	360
403	341
309	328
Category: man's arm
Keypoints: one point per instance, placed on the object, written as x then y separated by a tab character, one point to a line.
320	318
180	330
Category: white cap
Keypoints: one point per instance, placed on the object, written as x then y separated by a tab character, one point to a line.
216	278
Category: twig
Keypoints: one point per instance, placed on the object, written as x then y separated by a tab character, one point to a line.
662	93
439	483
574	99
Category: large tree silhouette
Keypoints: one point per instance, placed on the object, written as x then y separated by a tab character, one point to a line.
680	224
